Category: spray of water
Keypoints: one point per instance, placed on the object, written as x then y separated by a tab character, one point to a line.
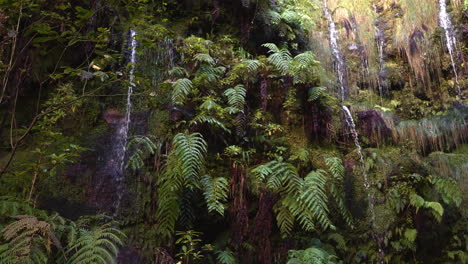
124	127
336	53
446	24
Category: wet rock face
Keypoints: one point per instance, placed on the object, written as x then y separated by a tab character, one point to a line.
113	116
372	124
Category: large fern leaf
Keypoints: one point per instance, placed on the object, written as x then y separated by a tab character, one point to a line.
181	89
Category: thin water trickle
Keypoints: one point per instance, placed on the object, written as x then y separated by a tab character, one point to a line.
336	53
380	38
446	24
124	127
352	127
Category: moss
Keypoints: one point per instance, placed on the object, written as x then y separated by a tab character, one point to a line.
384	219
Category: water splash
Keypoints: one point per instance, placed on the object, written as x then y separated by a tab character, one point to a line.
352	127
446	24
123	129
336	53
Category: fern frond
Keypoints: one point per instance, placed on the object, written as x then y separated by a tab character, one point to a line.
225	256
315	93
184	164
178	72
280	58
204	118
236	97
204	58
449	190
29	240
436	208
215	191
98	245
181	89
314	196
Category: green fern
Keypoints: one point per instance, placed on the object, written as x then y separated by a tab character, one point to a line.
204	58
225	256
205	118
141	147
178	72
336	189
311	255
315	93
435	208
280	58
236	98
98	245
449	190
181	89
215	191
184	164
314	196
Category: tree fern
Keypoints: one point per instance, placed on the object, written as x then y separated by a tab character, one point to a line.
97	245
215	191
181	89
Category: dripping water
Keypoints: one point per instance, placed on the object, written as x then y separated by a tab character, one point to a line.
336	53
449	37
124	127
352	127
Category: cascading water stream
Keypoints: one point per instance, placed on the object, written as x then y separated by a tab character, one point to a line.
124	128
336	53
446	24
352	127
380	38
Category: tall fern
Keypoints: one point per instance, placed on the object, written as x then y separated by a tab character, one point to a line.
185	162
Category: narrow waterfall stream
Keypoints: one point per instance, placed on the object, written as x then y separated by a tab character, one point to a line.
124	128
446	24
370	196
336	53
380	39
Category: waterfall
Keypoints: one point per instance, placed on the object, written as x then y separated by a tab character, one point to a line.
336	53
124	127
352	127
446	24
380	38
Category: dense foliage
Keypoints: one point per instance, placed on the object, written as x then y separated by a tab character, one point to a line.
236	148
